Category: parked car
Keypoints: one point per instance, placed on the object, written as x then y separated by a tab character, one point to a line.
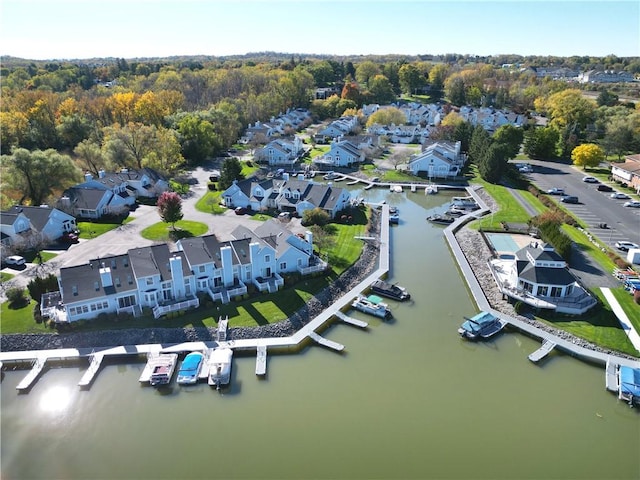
240	210
556	191
604	188
624	245
69	237
15	260
589	179
620	196
525	169
632	204
284	215
569	199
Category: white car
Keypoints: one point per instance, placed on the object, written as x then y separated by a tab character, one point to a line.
556	191
624	245
620	196
15	260
632	204
588	179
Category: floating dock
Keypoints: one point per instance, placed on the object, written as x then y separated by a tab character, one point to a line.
261	360
351	320
223	324
611	376
95	360
542	352
325	342
34	373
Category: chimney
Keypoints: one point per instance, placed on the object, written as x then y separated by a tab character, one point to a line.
308	236
88	177
175	264
101	173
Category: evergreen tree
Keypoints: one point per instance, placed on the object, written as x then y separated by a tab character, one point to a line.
480	141
231	170
493	163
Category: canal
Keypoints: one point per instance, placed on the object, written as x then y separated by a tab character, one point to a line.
407	399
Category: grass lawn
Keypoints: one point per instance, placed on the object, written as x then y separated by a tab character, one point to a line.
20	320
6	276
247	170
630	307
509	210
318	150
89	230
210	203
163	232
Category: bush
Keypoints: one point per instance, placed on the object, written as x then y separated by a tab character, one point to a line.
17	297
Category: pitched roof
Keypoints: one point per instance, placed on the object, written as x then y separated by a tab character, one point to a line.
82	282
38	216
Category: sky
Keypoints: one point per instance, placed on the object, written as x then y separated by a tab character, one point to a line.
78	29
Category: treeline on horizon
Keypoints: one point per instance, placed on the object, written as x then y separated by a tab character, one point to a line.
175	112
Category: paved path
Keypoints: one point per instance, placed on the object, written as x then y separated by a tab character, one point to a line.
634	338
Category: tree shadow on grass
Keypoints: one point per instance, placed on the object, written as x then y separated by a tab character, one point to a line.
177	234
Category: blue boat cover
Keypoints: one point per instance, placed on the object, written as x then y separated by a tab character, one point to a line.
191	362
475	323
630	381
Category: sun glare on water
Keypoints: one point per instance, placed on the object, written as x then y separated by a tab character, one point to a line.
56	399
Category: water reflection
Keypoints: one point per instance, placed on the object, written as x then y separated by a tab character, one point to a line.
56	399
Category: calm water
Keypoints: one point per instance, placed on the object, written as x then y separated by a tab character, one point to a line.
408	399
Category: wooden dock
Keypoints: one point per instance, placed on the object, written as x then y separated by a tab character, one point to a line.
34	373
261	360
611	376
542	352
351	320
155	359
95	360
326	342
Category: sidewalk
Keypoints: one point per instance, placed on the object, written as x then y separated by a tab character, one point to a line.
634	338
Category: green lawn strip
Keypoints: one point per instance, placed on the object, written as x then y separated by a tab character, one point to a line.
400	177
582	242
247	170
4	276
163	231
30	256
210	203
628	304
509	209
20	320
90	230
318	150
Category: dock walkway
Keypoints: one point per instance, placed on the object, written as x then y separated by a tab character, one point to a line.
34	373
326	342
351	320
542	352
261	360
95	361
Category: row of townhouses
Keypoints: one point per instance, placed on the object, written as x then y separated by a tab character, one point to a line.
165	281
287	194
294	119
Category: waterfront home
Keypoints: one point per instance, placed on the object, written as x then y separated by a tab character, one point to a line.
24	226
281	152
339	127
286	195
342	153
537	276
166	281
438	160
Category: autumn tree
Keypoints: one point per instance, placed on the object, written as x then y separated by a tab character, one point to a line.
587	155
387	116
37	174
366	71
411	79
381	90
170	208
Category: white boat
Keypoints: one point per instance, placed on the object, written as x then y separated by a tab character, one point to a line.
629	385
220	367
430	189
467	203
190	369
162	369
395	291
373	305
396	188
481	326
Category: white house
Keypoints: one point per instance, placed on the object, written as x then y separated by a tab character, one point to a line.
45	223
538	276
342	153
340	127
281	152
13	226
164	281
438	160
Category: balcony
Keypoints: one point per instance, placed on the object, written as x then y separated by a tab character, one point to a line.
185	304
270	284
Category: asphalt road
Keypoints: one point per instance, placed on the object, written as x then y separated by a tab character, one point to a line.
595	207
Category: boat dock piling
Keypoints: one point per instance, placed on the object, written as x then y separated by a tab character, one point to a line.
350	320
542	352
95	360
261	360
34	373
326	342
611	376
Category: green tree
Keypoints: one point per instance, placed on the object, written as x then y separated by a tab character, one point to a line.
170	208
315	216
387	116
437	76
540	143
380	90
479	143
366	71
455	90
410	78
197	137
606	98
37	174
587	155
493	163
511	138
231	170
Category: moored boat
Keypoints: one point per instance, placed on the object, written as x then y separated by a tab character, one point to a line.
220	367
394	218
390	290
441	219
190	368
162	368
465	202
430	189
629	385
481	326
372	305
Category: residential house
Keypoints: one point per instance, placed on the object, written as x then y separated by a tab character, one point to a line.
281	152
44	224
342	153
628	172
438	160
339	127
538	276
605	76
286	195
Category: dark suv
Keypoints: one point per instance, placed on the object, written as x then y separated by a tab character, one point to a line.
604	188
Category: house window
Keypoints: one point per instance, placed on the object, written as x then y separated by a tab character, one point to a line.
128	301
267	258
543	291
113	263
187	289
556	291
283	266
201	269
527	287
568	290
149	281
129	279
117	281
125	262
74	290
96	286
